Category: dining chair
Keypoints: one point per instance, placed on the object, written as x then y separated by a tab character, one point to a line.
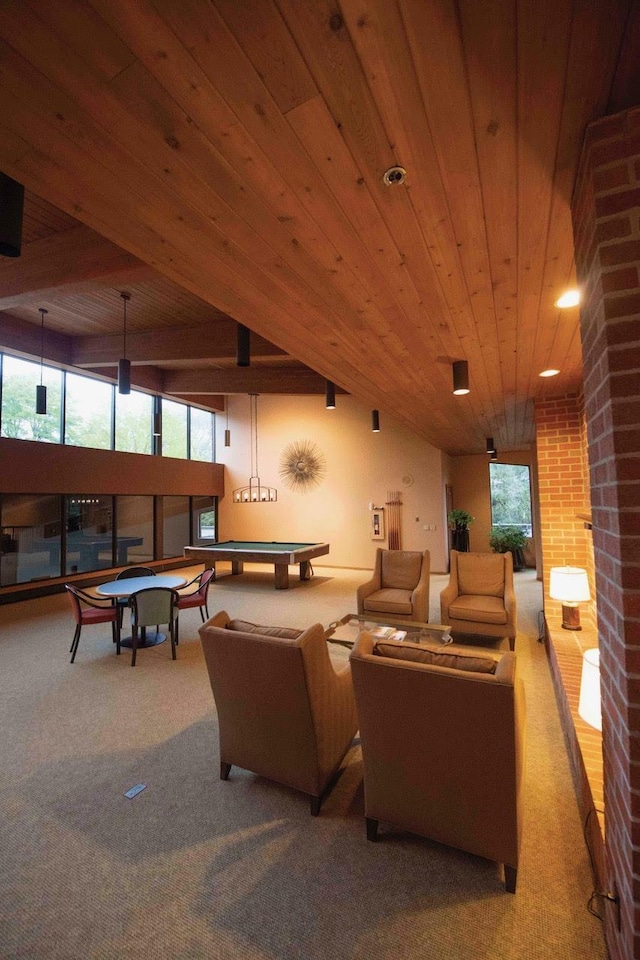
123	602
150	607
197	597
89	609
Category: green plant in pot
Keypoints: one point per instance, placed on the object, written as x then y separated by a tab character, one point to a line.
459	522
503	539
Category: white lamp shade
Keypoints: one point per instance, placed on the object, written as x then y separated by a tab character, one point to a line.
589	706
569	584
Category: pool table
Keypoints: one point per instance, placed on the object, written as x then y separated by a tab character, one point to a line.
255	551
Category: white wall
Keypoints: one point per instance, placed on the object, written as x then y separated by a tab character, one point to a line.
361	467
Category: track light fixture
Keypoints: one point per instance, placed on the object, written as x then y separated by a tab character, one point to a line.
460	377
494	456
491	447
227	432
41	390
11	210
375	421
330	394
124	365
243	347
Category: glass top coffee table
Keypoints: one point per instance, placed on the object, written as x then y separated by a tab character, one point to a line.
345	631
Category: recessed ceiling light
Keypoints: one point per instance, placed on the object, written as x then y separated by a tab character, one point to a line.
549	373
571	298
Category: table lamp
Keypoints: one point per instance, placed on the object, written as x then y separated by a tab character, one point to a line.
589	706
571	586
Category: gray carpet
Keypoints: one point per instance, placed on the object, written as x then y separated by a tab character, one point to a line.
197	868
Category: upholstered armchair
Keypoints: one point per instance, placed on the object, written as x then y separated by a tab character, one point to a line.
442	745
284	711
480	598
399	587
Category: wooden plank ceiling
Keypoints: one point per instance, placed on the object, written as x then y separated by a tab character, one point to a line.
223	161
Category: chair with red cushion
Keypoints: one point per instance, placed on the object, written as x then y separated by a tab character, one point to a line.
198	597
89	609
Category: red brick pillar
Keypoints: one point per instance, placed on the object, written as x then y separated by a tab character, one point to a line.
606	221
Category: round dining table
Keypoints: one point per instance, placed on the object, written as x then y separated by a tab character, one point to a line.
129	585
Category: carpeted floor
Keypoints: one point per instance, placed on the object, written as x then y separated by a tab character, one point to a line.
198	868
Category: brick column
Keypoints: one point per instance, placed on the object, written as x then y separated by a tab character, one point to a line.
606	220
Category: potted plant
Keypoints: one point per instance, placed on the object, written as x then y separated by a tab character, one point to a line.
503	539
459	522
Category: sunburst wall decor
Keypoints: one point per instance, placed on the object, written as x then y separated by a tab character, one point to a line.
302	465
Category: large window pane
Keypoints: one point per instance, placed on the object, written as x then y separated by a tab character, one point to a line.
29	538
510	496
134	517
204	520
175	514
202	434
19	418
88	412
174	429
133	422
89	533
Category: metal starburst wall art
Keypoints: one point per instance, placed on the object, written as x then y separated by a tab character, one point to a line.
302	465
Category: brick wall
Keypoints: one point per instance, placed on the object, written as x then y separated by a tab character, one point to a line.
563	483
606	219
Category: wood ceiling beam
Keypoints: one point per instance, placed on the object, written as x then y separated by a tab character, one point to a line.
211	401
209	341
26	338
73	261
244	380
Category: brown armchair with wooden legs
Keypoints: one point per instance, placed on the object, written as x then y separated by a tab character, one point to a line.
399	586
284	711
442	739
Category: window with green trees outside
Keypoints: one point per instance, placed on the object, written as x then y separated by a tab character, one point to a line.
510	496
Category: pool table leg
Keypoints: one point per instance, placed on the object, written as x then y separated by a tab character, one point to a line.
237	566
282	576
305	570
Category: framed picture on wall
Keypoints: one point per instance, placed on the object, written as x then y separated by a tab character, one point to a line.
377	523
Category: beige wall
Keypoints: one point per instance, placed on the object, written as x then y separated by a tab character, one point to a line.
471	491
362	467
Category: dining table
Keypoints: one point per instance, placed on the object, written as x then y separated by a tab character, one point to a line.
130	585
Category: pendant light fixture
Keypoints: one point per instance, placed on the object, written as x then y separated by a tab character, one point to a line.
124	365
227	432
491	447
41	390
460	377
255	492
11	210
243	346
375	421
494	456
330	395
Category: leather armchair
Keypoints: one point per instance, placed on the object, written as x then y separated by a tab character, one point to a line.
480	598
399	587
284	711
442	744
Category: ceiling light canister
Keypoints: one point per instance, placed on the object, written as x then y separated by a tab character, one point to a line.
460	377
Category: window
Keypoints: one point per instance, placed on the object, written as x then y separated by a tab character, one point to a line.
175	526
133	422
202	433
29	538
134	527
510	496
88	412
88	533
204	519
174	429
19	418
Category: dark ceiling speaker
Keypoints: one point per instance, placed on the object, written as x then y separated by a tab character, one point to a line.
11	210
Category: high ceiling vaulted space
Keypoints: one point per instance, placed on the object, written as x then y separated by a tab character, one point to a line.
223	161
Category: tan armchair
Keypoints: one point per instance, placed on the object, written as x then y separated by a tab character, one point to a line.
284	711
480	597
399	587
442	744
